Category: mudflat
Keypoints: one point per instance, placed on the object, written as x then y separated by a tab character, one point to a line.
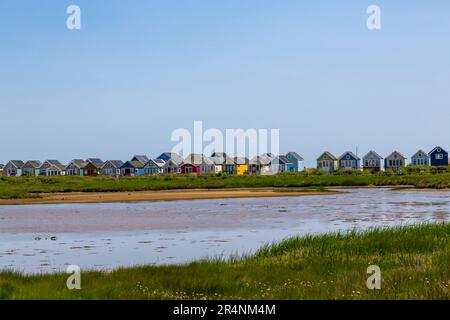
132	196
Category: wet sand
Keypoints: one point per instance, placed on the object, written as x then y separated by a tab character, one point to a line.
134	196
125	216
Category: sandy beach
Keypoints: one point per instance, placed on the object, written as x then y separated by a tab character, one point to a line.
133	196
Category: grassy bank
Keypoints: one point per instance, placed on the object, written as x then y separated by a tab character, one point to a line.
29	187
414	263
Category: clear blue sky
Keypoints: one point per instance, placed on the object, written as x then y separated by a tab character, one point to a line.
139	69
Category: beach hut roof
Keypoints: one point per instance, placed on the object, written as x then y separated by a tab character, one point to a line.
17	163
33	164
114	163
437	148
295	155
134	164
80	163
260	160
420	153
158	162
329	155
396	154
241	160
221	158
197	159
284	159
170	163
372	153
52	162
268	155
140	158
349	153
98	163
175	157
218	154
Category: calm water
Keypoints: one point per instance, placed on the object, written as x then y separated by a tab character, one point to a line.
47	238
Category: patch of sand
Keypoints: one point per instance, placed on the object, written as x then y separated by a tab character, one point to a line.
105	197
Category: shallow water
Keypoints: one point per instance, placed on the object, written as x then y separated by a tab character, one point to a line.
47	238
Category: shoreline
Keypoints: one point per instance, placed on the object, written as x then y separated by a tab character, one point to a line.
166	195
192	194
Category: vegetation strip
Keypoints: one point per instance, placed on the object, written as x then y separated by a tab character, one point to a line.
413	261
33	187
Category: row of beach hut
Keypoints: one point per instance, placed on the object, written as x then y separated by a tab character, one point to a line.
374	162
267	163
166	163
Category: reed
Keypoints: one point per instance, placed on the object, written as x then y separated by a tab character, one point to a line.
414	262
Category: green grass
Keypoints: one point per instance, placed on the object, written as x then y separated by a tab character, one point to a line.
29	187
414	263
